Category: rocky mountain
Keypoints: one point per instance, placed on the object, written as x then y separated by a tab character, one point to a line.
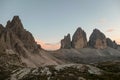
16	27
15	37
66	42
111	43
17	41
79	39
97	40
21	58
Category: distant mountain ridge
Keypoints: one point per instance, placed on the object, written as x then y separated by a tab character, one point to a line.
79	40
21	58
14	39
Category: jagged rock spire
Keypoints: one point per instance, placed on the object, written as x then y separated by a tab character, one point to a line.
97	39
15	37
111	43
15	23
66	42
79	39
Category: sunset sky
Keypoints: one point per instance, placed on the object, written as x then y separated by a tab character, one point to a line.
50	20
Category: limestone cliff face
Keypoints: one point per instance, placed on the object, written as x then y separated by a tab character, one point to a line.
66	42
19	46
79	39
97	40
111	43
25	37
15	37
1	28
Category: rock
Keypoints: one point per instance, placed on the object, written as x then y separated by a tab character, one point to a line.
79	39
9	37
2	45
111	43
1	28
15	24
115	45
66	42
97	40
24	36
15	37
6	38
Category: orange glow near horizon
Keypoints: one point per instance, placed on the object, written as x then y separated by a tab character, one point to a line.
118	41
48	46
57	46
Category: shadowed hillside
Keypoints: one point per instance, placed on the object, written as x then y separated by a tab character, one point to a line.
21	58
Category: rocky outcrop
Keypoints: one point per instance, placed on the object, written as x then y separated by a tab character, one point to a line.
59	72
66	42
1	28
97	40
111	43
79	39
115	45
99	71
15	40
25	36
15	37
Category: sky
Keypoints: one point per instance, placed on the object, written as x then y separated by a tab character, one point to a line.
50	20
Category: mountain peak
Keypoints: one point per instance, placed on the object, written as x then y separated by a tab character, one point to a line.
15	23
14	36
79	39
97	39
97	33
16	18
79	29
66	42
96	29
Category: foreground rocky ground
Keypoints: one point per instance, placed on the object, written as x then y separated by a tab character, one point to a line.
100	71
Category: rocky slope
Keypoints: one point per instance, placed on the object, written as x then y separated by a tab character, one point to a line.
21	58
86	55
17	41
104	71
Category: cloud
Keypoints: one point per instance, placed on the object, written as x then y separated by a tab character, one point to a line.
48	46
110	30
